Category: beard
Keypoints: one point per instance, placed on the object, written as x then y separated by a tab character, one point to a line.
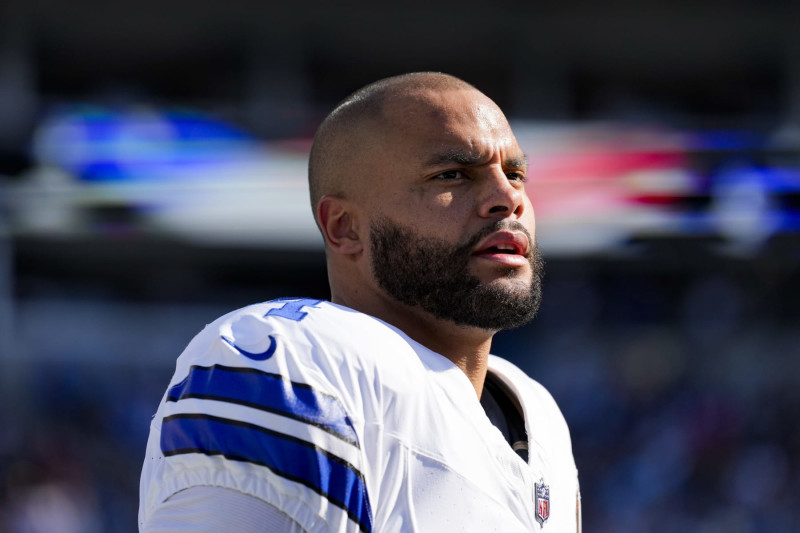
433	275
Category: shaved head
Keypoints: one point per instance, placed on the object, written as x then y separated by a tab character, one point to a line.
356	126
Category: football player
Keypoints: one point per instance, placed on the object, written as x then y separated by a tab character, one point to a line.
382	409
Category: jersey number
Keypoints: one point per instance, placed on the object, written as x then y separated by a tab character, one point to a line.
292	309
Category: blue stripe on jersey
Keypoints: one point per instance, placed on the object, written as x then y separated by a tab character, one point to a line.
267	392
289	457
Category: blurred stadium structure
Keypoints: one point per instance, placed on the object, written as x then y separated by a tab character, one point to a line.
152	177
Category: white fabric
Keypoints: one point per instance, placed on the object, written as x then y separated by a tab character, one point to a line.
213	509
373	431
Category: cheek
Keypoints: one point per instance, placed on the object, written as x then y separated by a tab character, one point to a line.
445	201
451	213
436	218
423	208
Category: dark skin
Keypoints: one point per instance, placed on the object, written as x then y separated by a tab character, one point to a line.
444	163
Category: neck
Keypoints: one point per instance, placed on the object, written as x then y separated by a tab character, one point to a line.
467	347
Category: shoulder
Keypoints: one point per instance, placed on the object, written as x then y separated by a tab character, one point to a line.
334	350
302	317
301	327
262	403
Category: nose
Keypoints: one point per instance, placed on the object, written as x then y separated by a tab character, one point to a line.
501	197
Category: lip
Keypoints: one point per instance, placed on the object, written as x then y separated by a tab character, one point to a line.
516	244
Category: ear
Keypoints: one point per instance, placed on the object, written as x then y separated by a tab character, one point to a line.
339	224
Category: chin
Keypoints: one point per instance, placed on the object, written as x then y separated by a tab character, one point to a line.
507	275
511	286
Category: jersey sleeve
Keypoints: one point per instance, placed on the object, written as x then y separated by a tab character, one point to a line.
255	406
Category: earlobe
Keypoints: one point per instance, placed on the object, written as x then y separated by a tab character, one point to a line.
339	225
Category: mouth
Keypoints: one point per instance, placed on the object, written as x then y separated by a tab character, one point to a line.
500	249
510	248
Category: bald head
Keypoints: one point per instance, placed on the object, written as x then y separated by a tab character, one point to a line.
356	125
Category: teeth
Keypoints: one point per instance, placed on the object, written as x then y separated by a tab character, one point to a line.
504	248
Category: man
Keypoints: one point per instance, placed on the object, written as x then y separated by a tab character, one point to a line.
381	410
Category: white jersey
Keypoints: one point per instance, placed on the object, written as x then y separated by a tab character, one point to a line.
346	424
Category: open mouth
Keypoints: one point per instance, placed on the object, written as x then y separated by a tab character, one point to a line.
501	249
505	247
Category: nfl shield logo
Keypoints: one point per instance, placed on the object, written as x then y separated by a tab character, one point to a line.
542	502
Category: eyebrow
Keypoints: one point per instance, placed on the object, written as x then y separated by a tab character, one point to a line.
470	159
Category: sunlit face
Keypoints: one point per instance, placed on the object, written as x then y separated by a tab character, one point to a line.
451	228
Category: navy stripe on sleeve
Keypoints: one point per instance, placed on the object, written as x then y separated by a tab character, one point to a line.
267	392
292	458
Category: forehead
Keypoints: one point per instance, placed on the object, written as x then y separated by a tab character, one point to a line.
437	121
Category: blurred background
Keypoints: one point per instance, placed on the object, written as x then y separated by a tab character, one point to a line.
152	178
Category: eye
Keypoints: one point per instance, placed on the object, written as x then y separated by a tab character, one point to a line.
450	175
516	176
